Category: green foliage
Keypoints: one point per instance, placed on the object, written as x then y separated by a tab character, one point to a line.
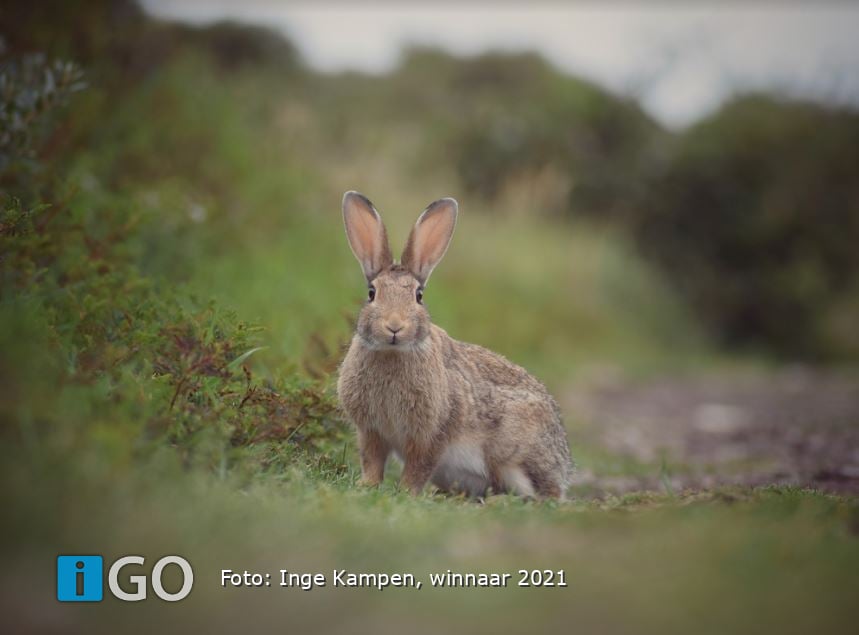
31	88
170	369
111	326
755	216
521	122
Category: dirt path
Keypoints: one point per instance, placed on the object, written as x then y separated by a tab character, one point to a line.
798	427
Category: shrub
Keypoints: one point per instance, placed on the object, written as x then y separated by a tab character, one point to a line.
157	367
31	88
755	216
513	118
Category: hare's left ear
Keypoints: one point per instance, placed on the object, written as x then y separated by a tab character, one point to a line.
429	238
366	234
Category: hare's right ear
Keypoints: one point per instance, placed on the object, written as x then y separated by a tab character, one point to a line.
429	238
366	234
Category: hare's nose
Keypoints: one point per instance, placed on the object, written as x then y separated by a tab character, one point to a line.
394	328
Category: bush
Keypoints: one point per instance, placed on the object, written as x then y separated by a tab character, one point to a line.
755	216
513	119
31	88
120	355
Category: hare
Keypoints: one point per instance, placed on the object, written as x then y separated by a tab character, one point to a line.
456	414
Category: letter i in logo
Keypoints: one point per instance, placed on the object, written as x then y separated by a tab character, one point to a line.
80	578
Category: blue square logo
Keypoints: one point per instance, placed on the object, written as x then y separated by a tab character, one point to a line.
80	578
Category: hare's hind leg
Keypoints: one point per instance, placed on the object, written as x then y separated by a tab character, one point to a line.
544	478
530	480
516	480
532	463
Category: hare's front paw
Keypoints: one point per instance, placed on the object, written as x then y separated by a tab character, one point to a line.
369	481
415	477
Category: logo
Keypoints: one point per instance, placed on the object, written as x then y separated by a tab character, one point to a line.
81	579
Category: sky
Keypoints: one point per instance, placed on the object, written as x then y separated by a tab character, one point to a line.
681	60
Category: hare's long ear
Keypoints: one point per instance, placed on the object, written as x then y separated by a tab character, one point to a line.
429	238
366	234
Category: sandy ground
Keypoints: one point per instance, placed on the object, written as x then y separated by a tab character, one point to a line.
797	427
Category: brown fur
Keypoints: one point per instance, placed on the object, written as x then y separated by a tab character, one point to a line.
455	413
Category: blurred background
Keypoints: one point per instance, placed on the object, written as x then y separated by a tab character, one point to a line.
660	219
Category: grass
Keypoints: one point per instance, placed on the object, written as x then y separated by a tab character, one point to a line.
772	560
137	420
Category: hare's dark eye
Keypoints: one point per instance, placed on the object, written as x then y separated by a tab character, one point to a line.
371	294
419	295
